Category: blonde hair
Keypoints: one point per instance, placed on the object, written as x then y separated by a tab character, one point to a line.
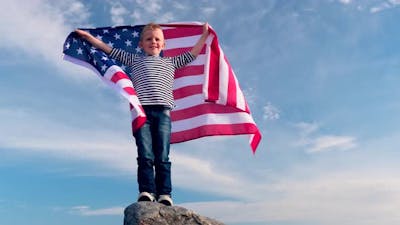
149	26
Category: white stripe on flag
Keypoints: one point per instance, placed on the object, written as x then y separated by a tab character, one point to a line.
189	101
182	42
189	80
211	119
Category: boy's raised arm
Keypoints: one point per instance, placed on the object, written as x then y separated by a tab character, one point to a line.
199	45
94	41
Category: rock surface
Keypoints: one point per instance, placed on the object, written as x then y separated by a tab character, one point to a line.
149	213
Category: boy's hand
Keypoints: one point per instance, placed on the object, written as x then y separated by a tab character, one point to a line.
205	29
83	34
94	41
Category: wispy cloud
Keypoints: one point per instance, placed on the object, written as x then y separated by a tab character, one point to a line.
389	4
345	1
316	142
271	112
356	198
118	12
151	6
208	11
42	28
88	211
332	142
110	150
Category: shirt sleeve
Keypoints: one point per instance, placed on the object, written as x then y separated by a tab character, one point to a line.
124	57
183	59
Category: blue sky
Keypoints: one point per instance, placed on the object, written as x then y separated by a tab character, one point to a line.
321	79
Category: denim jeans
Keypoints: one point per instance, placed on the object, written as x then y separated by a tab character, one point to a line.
153	141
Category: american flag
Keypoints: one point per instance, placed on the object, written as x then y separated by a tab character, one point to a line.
207	95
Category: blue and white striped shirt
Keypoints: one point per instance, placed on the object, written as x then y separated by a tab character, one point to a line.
153	76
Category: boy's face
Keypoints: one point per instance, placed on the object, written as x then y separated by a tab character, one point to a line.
152	41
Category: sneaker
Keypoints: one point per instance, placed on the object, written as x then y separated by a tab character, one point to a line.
146	197
165	200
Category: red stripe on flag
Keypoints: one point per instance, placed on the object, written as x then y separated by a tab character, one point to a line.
205	108
175	51
117	76
137	123
255	141
189	70
130	90
214	129
182	32
232	92
213	77
188	91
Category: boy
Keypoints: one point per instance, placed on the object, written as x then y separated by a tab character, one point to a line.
152	78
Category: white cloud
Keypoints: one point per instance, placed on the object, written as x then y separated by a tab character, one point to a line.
87	211
271	112
315	142
179	5
137	17
208	11
118	11
150	6
199	174
38	28
345	1
345	198
307	128
151	11
385	6
108	150
28	132
74	12
331	142
356	197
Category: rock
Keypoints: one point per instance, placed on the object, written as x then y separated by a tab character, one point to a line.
149	213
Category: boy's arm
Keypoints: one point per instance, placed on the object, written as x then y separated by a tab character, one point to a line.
94	41
200	43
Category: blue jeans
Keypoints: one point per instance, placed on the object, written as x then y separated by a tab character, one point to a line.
153	141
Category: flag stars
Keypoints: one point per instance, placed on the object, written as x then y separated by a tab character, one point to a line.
79	51
99	37
128	43
104	58
138	49
135	34
103	68
117	37
93	50
67	45
110	44
105	31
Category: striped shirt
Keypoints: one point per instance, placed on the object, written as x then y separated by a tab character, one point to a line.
153	76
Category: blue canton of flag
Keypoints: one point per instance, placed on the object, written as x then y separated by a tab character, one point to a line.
124	37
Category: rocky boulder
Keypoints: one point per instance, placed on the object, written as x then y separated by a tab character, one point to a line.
149	213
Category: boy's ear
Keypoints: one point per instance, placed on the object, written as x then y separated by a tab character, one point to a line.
140	44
